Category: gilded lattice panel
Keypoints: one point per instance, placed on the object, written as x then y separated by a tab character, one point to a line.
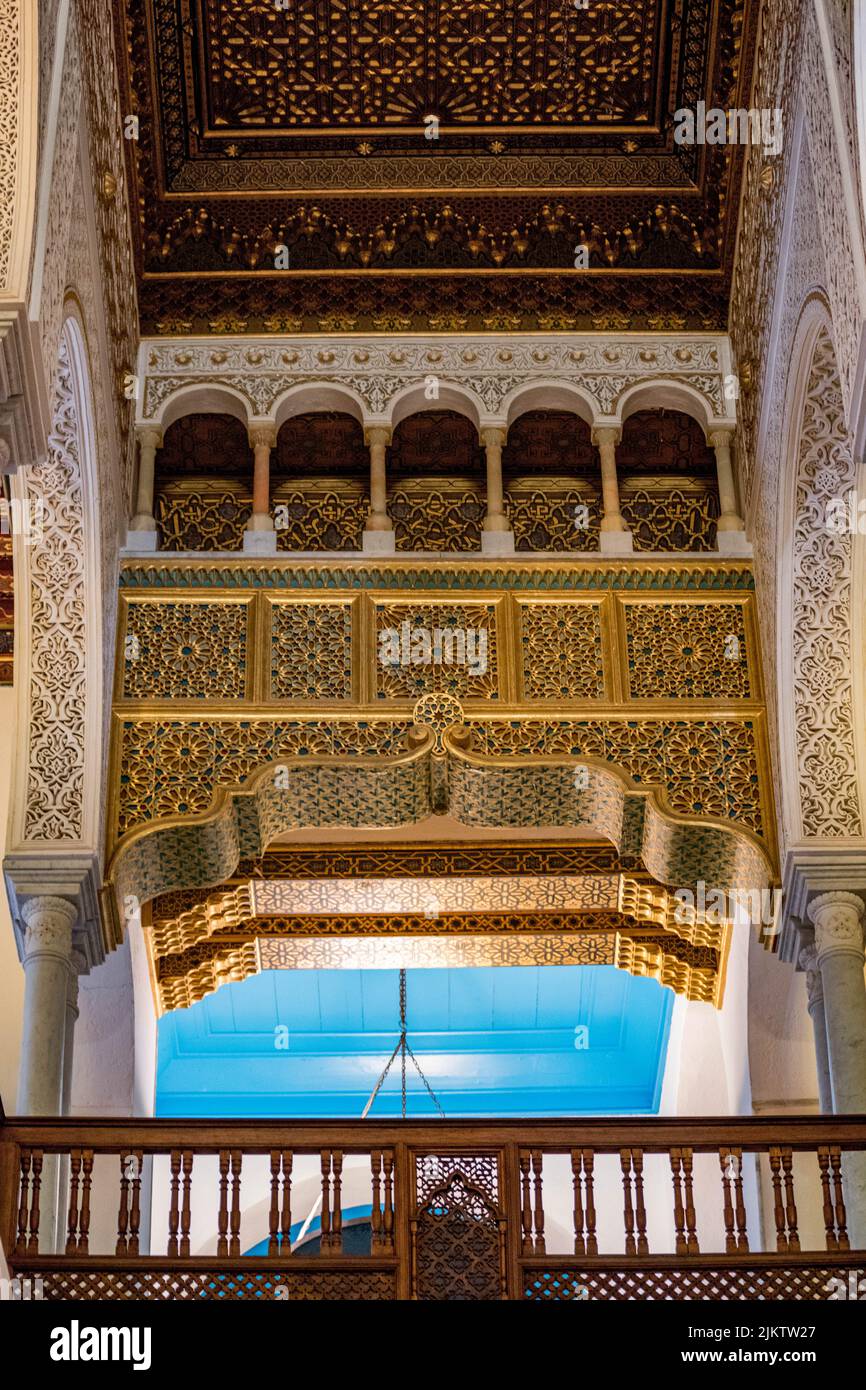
185	651
562	651
687	651
202	516
401	952
400	895
172	767
320	516
441	647
670	518
438	519
707	767
311	651
550	517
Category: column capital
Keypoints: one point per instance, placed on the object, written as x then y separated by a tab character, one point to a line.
262	436
73	877
48	927
838	921
605	434
377	434
493	434
720	439
807	960
149	436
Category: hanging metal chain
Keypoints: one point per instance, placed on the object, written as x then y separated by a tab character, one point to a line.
402	1046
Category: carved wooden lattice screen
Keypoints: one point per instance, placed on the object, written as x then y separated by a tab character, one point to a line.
458	1227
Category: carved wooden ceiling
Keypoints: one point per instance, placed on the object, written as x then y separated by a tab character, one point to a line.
306	125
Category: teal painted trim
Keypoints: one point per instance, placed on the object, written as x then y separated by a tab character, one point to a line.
246	576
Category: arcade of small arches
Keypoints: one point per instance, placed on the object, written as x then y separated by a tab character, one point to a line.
435	476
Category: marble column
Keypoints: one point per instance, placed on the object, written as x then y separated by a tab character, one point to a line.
808	961
730	527
143	523
259	534
378	532
77	967
47	968
497	537
838	921
615	536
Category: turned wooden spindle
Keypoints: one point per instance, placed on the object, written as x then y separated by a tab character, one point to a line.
826	1199
790	1204
525	1202
680	1241
691	1217
589	1201
337	1221
223	1215
286	1213
628	1212
388	1202
740	1205
640	1208
325	1241
539	1247
731	1164
174	1207
579	1237
841	1217
135	1205
274	1212
185	1215
582	1161
35	1195
83	1246
375	1207
25	1161
123	1207
72	1214
235	1223
778	1206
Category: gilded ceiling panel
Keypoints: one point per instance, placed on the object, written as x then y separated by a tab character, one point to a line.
430	163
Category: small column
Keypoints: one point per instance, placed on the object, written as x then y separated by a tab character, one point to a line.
47	964
48	954
808	961
378	536
497	538
838	921
260	538
730	527
143	524
77	967
616	538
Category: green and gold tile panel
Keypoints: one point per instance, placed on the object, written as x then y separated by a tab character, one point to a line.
371	650
649	667
186	649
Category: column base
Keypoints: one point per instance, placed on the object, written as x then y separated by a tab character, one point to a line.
616	543
379	543
260	542
497	542
733	543
142	540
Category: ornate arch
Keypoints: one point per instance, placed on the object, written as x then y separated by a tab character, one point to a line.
818	737
55	801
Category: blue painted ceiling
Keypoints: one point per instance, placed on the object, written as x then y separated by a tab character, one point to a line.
492	1042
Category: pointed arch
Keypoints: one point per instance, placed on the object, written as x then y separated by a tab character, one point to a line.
817	735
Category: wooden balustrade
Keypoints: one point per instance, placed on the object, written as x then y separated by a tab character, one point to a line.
456	1209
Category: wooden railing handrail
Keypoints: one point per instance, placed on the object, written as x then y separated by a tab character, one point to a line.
702	1134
